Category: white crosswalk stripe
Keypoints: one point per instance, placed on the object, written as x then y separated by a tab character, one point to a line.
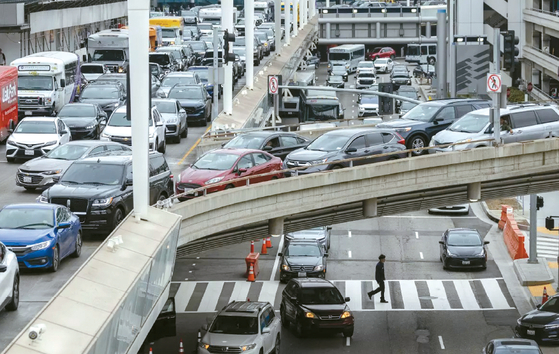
402	295
548	246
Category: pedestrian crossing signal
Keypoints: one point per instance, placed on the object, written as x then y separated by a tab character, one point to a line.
539	202
550	223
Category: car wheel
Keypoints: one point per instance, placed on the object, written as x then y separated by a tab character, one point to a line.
29	188
79	243
277	346
299	330
55	259
117	218
10	159
284	320
445	267
163	147
229	186
392	57
337	167
14	303
417	142
348	332
184	133
432	61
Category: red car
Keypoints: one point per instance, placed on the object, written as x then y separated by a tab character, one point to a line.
384	52
227	164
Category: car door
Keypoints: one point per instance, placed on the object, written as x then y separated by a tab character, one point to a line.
442	246
128	195
505	135
64	132
291	294
97	150
261	165
63	234
5	277
265	321
101	118
525	126
356	148
443	119
375	146
272	145
182	115
247	164
549	118
159	126
288	143
389	65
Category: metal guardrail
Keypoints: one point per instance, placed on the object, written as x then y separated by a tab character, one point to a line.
542	51
203	191
545	12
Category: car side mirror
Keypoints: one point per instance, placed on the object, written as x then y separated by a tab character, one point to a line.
485	242
11	126
347	299
64	225
325	254
182	111
538	306
266	330
62	83
441	242
293	298
3	268
328	228
437	120
159	124
280	254
350	150
208	97
242	170
267	148
129	182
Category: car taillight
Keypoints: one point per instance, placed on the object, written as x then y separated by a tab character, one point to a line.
401	140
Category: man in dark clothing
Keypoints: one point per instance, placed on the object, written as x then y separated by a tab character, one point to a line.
379	277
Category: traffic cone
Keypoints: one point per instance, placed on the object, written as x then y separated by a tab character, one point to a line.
251	274
264	249
252	246
269	242
150	351
544	296
181	349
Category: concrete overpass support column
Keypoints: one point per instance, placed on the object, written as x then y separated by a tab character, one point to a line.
249	42
441	54
474	191
295	17
370	208
428	30
227	24
304	5
287	14
378	29
277	21
275	227
312	8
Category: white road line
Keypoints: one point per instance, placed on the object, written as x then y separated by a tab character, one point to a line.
349	233
209	302
268	292
421	255
494	293
466	294
438	295
416	234
349	254
347	341
240	291
353	291
409	295
276	262
441	342
183	295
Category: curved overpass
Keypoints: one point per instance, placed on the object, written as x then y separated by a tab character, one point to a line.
392	187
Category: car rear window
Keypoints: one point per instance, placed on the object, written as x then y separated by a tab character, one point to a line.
524	119
547	115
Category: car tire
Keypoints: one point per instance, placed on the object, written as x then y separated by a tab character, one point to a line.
277	345
10	159
392	57
284	320
55	259
299	330
432	61
348	332
117	217
229	186
79	244
184	134
445	267
163	147
417	141
14	302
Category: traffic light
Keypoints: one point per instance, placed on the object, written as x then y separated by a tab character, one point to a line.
549	223
539	202
228	37
510	50
385	103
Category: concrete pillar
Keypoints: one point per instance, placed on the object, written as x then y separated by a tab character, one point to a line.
304	4
295	17
452	68
287	14
249	42
227	23
138	16
428	30
474	191
533	229
275	227
441	54
370	208
378	29
312	8
277	17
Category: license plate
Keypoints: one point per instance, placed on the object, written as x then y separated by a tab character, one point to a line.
30	152
28	113
27	179
302	274
465	262
531	332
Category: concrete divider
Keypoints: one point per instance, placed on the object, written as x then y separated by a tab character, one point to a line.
514	239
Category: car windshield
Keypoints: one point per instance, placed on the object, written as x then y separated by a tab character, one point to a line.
198	46
339	56
422	112
246	142
26	218
161	59
328	142
202	73
92	69
517	350
168	33
463	239
36	127
121	119
470	123
100	92
216	161
173	80
302	250
235	325
94	173
326	296
241	51
339	69
369	99
406	106
551	306
71	110
366	64
381	61
154	69
410	94
108	55
36	83
262	36
336	78
193	93
205	26
67	152
166	106
412	50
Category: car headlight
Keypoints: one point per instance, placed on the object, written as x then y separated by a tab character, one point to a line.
265	44
310	315
204	345
89	127
450	254
318	268
329	66
172	120
316	162
213	180
105	135
48	143
463	141
347	66
346	314
120	69
432	142
42	199
52	172
40	246
172	42
361	108
48	100
151	135
285	267
161	94
519	321
244	348
403	130
552	326
102	202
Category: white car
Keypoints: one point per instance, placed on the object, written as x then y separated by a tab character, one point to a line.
384	65
366	66
92	71
174	117
34	137
119	129
9	279
174	78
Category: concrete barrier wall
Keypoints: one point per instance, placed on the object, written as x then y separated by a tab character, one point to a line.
514	238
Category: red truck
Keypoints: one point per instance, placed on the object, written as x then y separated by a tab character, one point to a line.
8	107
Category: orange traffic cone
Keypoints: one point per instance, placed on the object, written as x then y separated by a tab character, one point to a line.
251	273
544	296
181	349
269	242
264	249
150	351
252	246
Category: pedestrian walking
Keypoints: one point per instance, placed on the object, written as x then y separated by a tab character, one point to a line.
380	278
2	58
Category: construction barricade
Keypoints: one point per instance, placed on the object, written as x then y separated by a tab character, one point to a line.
513	237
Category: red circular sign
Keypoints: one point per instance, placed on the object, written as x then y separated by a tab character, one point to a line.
530	87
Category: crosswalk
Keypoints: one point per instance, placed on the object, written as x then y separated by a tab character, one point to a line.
548	246
402	295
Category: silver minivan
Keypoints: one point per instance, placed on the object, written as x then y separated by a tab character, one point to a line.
526	122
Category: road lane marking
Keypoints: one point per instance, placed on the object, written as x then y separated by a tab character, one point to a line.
276	262
349	254
421	255
347	341
349	233
441	342
416	234
193	146
493	291
427	217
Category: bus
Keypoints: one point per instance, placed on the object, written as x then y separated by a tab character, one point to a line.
171	28
212	14
424	53
289	110
348	55
46	82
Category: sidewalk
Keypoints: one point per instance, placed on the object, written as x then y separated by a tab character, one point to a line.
532	277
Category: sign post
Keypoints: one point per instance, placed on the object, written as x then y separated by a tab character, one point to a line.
494	85
274	82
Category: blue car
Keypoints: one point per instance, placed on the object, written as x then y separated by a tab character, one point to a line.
40	235
203	72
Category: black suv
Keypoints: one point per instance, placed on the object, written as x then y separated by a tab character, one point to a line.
301	259
107	94
99	189
315	304
423	121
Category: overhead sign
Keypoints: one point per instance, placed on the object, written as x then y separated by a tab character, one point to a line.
494	83
273	85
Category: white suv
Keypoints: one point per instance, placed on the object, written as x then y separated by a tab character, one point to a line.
9	279
119	129
243	327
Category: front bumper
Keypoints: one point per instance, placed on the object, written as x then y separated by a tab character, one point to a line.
171	130
83	134
368	113
18	152
220	349
465	262
36	179
285	275
315	324
35	111
306	171
195	116
27	258
541	334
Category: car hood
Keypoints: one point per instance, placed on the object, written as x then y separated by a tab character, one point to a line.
539	317
118	131
192	175
23	138
45	164
164	89
369	105
87	191
400	123
231	340
81	122
328	309
22	237
100	101
465	251
380	65
308	155
92	77
295	261
185	102
448	136
168	116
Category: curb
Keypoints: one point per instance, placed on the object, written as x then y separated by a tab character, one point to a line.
496	219
522	278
